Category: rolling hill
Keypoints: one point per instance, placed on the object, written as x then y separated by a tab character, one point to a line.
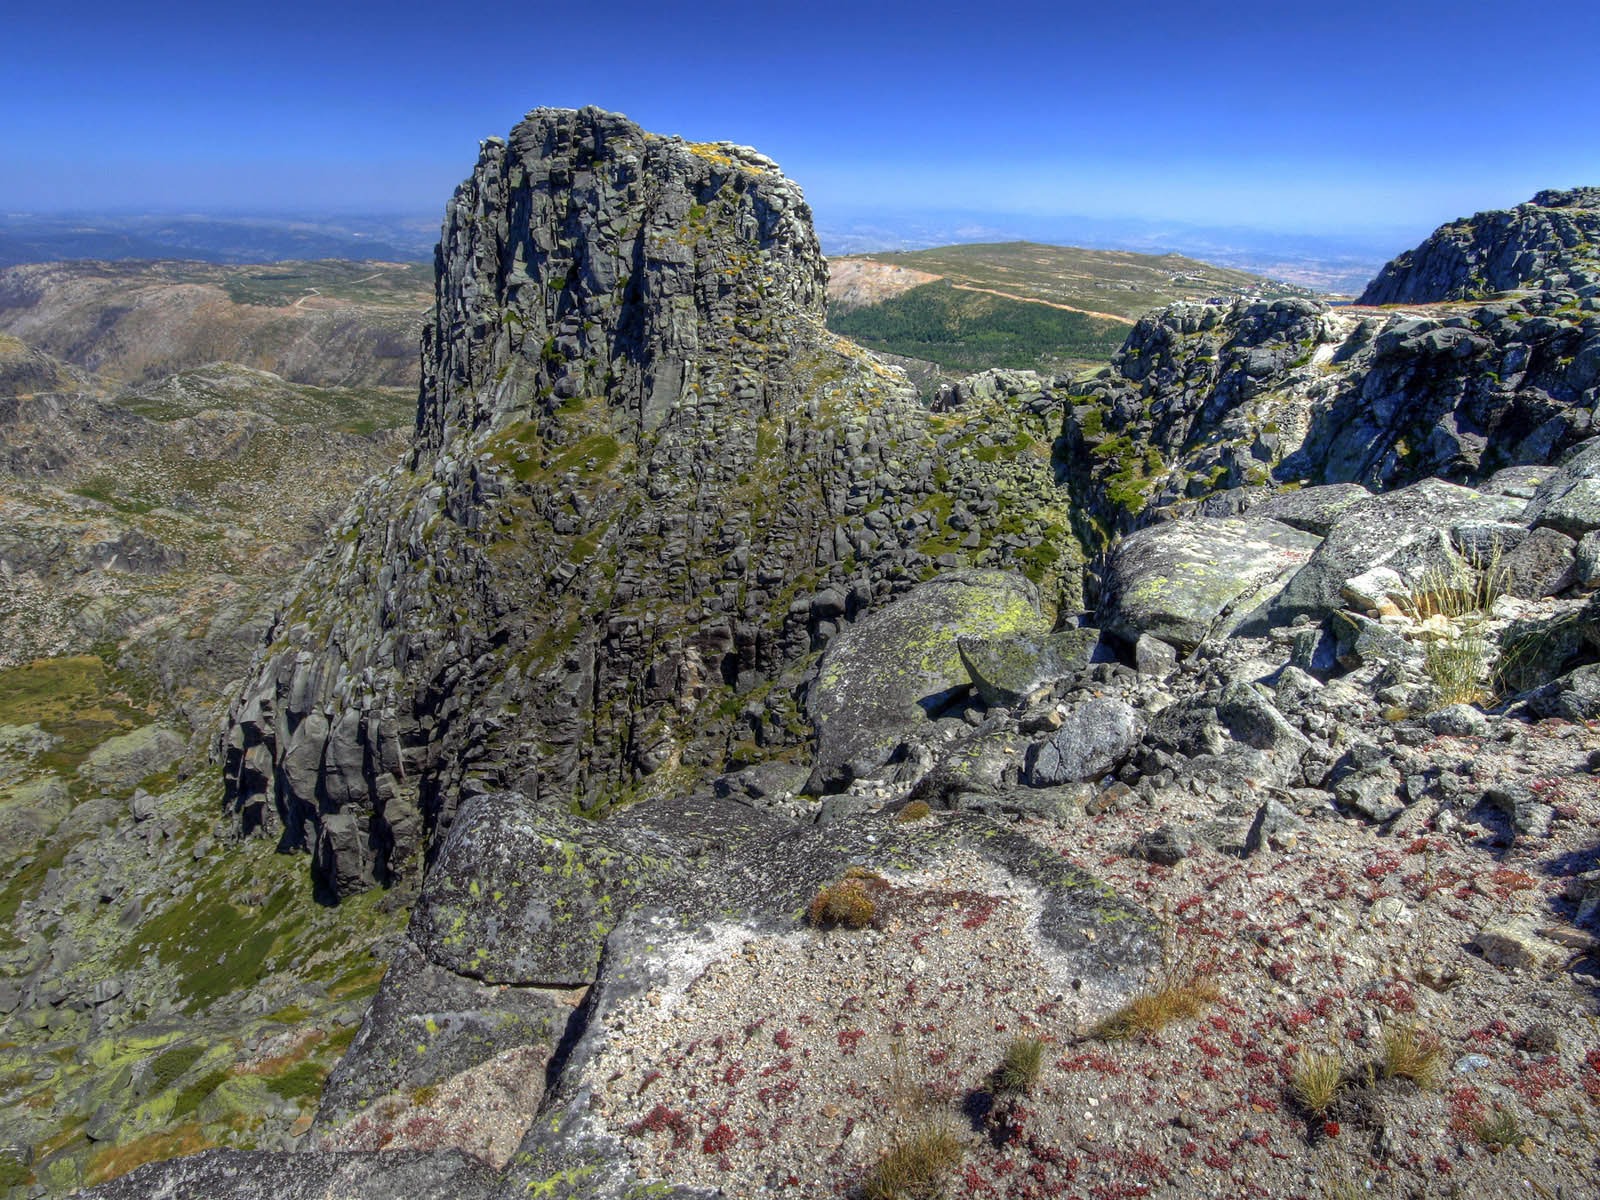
1017	304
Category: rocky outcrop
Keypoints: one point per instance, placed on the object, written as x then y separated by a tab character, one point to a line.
1551	243
1213	409
646	482
1412	532
902	665
259	1175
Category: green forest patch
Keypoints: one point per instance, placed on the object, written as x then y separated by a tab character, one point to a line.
966	331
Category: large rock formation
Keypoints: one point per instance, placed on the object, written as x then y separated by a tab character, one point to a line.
645	482
1551	243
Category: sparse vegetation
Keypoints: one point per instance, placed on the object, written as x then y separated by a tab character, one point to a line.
1343	1189
1019	1069
924	1149
1174	998
1410	1053
1318	1080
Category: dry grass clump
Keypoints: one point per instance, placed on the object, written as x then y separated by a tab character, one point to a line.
1462	595
915	1166
848	902
1409	1053
1174	999
1019	1069
924	1149
1318	1080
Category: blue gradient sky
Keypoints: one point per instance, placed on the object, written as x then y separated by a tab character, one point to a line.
1325	117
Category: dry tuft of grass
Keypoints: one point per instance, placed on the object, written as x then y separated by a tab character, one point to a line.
915	1166
1455	665
1499	1129
849	902
1318	1080
1462	594
1466	589
1019	1069
924	1148
1409	1053
1174	999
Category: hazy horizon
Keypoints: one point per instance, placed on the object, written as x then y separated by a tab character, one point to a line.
1334	122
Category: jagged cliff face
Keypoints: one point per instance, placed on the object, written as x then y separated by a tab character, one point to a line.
586	258
1552	243
645	484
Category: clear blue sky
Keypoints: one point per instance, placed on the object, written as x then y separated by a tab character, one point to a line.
1301	116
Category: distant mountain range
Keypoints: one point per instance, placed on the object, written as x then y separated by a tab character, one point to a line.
1334	263
1339	263
33	237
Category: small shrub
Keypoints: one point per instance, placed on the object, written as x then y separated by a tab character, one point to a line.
917	810
303	1081
1409	1053
846	903
1173	1000
1019	1069
194	1094
914	1167
1498	1129
13	1171
166	1069
1318	1079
